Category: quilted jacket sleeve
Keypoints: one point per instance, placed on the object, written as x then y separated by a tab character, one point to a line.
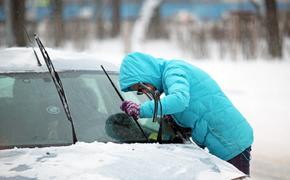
177	99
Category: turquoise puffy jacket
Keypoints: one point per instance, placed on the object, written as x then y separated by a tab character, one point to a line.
193	99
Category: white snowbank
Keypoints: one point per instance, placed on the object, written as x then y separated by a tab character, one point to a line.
114	161
24	59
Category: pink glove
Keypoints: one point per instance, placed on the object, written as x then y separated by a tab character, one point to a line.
131	108
168	118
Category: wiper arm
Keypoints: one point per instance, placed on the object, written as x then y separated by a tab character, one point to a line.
122	99
32	46
58	84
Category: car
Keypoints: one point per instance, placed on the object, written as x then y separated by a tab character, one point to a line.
82	133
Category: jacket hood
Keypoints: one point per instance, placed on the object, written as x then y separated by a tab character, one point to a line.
138	67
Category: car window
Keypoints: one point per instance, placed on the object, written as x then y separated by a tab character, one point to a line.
93	101
6	87
94	93
32	113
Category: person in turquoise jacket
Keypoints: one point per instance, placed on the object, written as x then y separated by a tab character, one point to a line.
194	100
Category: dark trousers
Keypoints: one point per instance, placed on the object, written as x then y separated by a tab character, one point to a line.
242	161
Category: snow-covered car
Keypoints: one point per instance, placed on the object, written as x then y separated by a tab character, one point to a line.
36	136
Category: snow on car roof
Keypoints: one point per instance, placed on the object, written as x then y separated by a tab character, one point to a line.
23	59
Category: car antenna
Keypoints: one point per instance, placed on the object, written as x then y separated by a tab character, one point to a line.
57	83
122	99
32	46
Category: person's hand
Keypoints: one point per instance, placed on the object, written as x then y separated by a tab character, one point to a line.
168	118
131	108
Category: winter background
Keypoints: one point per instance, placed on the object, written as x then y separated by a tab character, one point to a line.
256	80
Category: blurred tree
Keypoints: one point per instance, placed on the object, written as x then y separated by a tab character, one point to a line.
16	22
57	6
116	18
99	19
142	23
156	26
273	35
257	9
286	23
9	39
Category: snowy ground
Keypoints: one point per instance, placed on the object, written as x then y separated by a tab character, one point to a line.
260	89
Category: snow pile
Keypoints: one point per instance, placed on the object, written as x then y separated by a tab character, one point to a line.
11	61
114	161
24	59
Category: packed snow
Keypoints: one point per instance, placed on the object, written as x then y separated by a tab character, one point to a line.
25	60
109	161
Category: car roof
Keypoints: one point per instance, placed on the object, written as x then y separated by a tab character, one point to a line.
24	60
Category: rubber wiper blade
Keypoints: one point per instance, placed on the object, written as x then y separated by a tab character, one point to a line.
58	84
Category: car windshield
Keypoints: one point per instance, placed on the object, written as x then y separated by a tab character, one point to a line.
32	113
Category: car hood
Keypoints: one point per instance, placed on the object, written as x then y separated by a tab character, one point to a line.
114	161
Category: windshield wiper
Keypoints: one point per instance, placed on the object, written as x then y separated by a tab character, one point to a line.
32	145
32	46
122	99
58	84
